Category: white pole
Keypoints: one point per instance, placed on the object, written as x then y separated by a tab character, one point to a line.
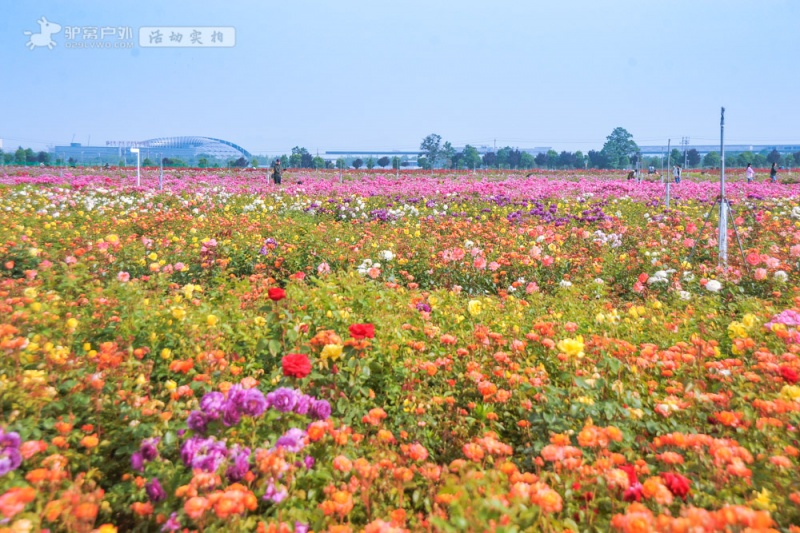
723	203
666	174
161	173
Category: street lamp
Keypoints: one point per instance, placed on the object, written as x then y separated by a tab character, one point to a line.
138	167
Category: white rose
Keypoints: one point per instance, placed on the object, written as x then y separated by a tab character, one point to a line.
713	285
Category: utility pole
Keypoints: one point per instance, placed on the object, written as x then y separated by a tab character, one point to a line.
685	144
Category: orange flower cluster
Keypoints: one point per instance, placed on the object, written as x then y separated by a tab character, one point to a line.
639	519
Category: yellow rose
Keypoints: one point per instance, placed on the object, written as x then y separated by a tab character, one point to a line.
178	313
332	352
166	353
212	321
72	323
572	347
474	307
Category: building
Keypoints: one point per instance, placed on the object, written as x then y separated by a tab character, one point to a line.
187	149
703	149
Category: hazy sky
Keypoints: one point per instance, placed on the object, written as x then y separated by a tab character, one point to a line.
378	75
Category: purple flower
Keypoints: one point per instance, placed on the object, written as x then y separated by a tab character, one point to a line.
283	399
231	415
275	495
212	404
422	306
253	402
263	250
240	463
309	462
292	440
9	440
205	454
320	410
10	458
137	461
148	449
303	404
197	421
172	524
236	395
155	491
300	527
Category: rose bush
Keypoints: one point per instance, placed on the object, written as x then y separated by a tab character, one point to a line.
490	353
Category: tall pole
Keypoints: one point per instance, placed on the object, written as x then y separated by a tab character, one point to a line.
666	174
161	173
723	202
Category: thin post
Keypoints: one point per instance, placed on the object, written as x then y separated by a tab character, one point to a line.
723	203
666	174
161	173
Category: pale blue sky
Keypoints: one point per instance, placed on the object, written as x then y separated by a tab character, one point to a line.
379	75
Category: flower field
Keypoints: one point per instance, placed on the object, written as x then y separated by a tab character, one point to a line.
424	353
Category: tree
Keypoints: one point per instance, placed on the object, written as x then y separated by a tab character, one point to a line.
580	159
774	157
618	145
30	156
540	159
448	153
284	161
19	156
147	162
457	160
502	157
358	163
72	162
423	162
526	161
240	163
300	158
370	163
676	157
43	157
254	162
711	159
395	162
202	162
566	159
318	162
383	162
693	157
430	147
552	159
341	163
489	159
743	159
760	160
796	157
472	159
514	157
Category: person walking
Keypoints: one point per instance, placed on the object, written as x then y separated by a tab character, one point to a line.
749	173
773	173
276	172
676	173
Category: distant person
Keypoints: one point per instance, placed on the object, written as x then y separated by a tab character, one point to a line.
773	173
651	169
749	173
631	175
276	172
676	173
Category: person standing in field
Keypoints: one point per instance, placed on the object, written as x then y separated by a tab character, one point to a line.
749	173
773	173
276	172
676	173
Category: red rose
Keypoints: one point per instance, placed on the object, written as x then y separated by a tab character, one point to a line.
296	365
789	374
633	493
276	294
631	471
677	484
360	331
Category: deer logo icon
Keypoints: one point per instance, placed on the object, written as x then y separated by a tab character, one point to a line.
43	38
